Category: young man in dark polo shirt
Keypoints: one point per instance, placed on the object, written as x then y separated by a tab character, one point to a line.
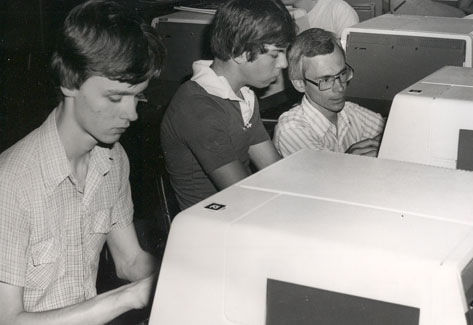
212	129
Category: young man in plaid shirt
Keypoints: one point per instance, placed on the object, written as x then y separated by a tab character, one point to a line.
64	188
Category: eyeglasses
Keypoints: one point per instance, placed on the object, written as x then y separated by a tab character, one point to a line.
327	83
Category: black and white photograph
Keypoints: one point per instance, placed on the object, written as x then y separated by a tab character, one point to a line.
224	162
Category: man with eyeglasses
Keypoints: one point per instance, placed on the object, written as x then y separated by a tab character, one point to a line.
324	120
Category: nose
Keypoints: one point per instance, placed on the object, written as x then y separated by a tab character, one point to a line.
129	110
339	86
282	61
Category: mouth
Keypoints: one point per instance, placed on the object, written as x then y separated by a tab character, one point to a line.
121	130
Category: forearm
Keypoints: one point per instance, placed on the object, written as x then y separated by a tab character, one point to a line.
263	154
289	147
228	174
142	266
131	261
97	310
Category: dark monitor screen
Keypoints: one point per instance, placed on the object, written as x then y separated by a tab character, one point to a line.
289	303
465	150
387	64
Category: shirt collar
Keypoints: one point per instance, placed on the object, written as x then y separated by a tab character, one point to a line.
314	113
211	82
219	86
54	162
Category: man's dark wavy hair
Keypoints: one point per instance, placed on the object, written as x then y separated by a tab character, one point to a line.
105	38
248	25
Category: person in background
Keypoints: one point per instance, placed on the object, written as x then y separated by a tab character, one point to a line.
331	15
466	6
324	120
425	8
212	129
64	188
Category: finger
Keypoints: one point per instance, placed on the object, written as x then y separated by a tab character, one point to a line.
364	151
371	143
373	153
365	144
361	148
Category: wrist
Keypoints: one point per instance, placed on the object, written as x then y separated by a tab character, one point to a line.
124	297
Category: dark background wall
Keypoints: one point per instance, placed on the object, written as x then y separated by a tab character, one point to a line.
27	34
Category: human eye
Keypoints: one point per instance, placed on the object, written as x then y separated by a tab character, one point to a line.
345	75
275	54
115	98
326	81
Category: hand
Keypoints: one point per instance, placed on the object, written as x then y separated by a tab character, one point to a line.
368	147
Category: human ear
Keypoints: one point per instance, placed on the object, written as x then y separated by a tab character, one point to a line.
242	58
299	85
68	92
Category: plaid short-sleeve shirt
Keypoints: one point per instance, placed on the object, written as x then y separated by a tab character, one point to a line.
52	231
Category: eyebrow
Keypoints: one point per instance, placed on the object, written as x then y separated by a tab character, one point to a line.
121	92
332	75
276	49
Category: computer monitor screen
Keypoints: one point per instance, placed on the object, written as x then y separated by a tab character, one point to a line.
289	303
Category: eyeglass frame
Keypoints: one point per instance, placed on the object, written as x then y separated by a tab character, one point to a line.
335	77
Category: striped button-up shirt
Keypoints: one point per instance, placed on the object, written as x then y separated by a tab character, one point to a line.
52	231
304	127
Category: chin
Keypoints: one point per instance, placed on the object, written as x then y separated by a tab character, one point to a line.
259	85
110	140
263	83
339	107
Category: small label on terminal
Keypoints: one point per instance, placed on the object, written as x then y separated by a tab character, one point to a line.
215	206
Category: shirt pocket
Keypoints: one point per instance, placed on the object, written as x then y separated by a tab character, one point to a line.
47	264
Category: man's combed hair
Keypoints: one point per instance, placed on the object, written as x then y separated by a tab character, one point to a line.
248	25
104	38
309	43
